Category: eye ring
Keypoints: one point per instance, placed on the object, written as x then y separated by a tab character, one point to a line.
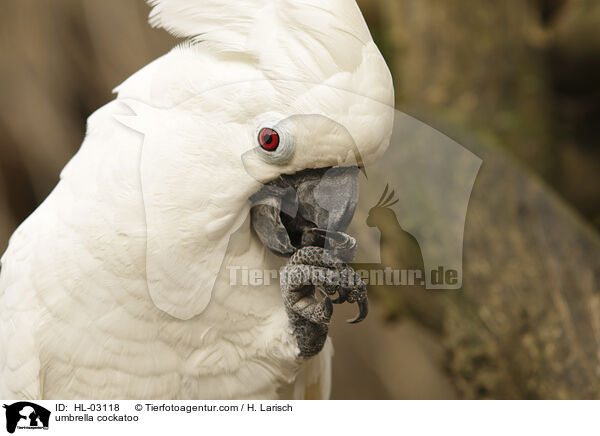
269	139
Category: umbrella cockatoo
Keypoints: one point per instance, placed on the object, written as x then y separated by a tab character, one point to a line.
233	152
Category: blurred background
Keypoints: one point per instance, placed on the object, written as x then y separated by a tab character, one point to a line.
515	81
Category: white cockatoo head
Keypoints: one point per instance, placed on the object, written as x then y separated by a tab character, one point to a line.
262	89
313	56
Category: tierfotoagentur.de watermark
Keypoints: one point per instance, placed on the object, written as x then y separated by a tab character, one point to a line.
245	276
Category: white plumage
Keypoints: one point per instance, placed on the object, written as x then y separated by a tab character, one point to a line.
117	286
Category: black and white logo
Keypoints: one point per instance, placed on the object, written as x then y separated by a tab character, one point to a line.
26	415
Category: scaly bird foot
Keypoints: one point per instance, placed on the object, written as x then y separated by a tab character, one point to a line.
315	267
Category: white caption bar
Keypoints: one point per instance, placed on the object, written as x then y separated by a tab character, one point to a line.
300	418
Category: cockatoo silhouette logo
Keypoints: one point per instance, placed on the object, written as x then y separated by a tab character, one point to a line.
404	246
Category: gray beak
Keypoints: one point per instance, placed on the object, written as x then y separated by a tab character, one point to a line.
310	208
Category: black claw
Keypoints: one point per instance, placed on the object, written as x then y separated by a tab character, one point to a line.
363	311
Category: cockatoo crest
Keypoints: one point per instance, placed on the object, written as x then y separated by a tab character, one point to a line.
244	25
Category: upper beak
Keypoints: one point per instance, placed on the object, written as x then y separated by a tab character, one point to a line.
311	207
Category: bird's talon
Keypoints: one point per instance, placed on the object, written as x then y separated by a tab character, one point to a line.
363	311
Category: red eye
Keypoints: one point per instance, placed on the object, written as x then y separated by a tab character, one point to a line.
268	139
